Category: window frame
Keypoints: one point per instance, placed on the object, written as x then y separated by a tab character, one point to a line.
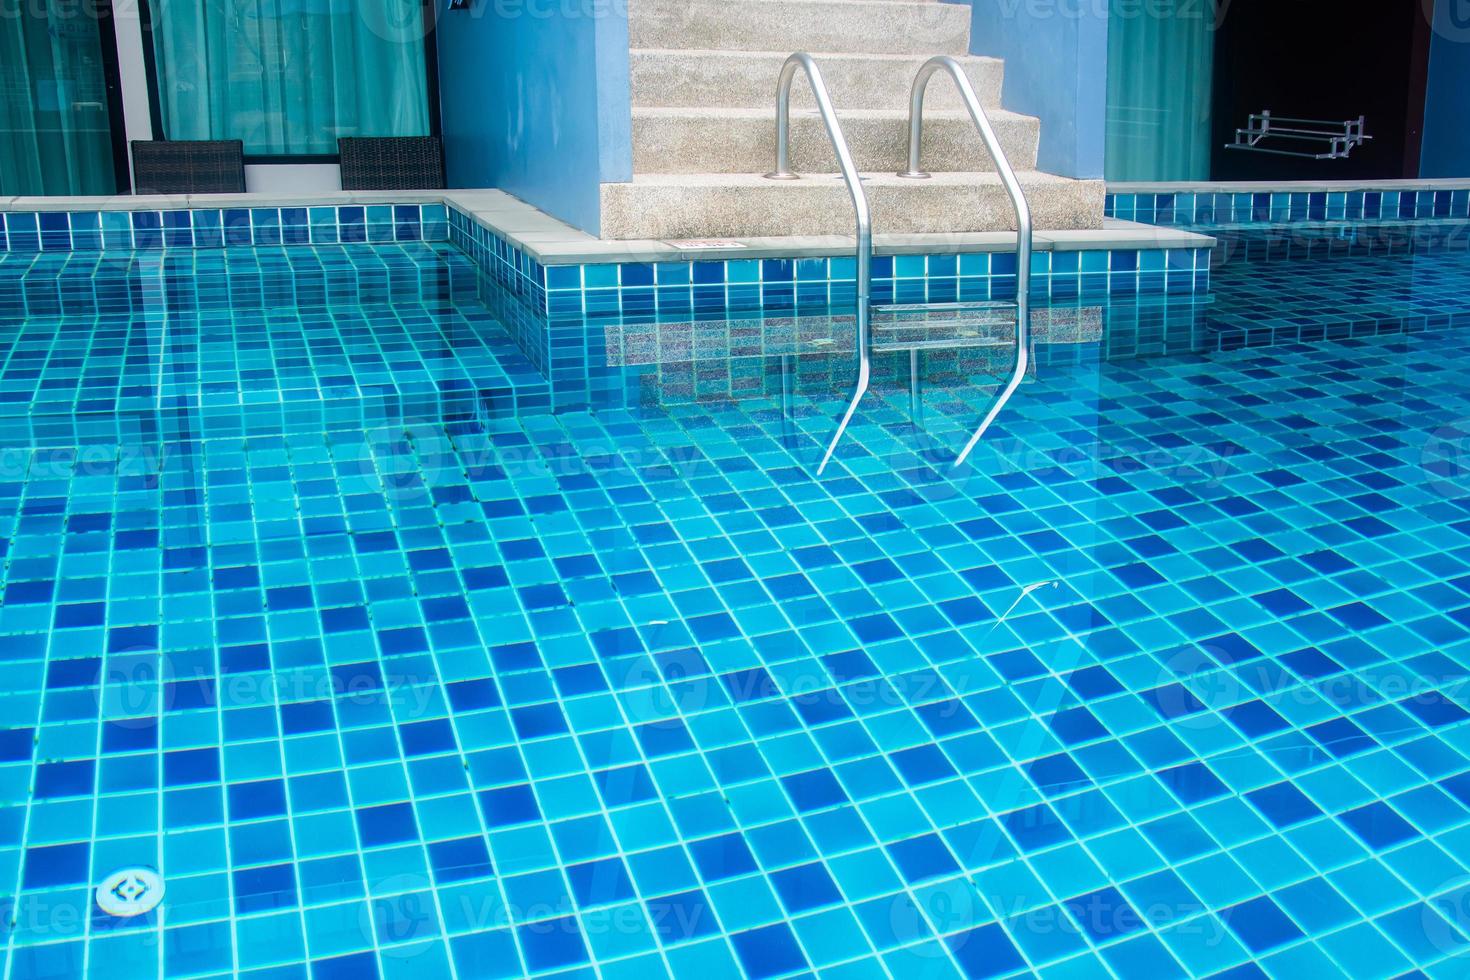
427	10
122	165
122	169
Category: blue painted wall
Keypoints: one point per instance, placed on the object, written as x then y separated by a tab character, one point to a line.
1056	55
535	101
1446	147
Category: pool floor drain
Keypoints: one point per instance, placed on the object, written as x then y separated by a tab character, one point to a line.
129	892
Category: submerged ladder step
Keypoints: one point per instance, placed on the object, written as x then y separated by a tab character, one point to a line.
941	314
916	328
943	326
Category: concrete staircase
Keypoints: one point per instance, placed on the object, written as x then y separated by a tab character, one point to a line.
703	75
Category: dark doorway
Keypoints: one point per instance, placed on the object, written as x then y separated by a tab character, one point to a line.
1322	59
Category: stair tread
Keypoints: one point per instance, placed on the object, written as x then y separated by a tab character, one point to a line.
943	326
951	342
760	25
886	4
820	56
924	314
874	178
768	113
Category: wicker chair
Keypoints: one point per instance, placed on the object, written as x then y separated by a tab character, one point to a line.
391	163
189	166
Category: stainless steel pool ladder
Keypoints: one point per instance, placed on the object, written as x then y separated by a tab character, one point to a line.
854	183
1018	201
850	176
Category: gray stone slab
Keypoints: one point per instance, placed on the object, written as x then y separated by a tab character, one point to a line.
800	25
705	78
556	243
1117	234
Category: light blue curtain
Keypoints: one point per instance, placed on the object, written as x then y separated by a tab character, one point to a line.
290	76
1160	65
55	131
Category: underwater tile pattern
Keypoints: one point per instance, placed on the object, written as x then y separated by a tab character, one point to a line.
1269	285
1169	681
1314	282
96	347
573	293
144	231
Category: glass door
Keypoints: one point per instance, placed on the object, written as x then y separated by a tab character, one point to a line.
58	72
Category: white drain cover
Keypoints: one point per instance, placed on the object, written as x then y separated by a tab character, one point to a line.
129	892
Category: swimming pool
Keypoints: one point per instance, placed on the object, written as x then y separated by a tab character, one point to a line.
312	604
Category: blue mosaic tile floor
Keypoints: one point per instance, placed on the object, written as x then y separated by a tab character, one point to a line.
1169	682
1284	283
98	347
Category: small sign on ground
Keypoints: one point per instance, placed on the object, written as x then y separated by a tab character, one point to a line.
705	243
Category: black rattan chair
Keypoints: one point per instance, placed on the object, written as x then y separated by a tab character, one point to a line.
189	166
391	163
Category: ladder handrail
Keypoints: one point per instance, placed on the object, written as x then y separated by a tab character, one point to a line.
1018	201
854	183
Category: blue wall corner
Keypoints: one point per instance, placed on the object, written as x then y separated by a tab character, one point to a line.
1056	59
535	101
614	98
1446	141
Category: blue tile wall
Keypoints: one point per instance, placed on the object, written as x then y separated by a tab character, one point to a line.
506	265
557	313
91	231
716	287
1282	208
726	285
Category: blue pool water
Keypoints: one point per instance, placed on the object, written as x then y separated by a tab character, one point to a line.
313	605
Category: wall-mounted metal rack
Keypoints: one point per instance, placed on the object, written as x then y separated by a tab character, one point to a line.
1281	136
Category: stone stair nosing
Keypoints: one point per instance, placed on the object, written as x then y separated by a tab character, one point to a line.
855	26
683	141
709	79
679	206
